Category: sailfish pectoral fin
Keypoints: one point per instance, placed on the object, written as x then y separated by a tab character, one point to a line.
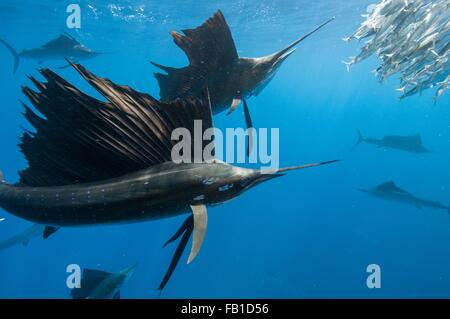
236	101
200	223
249	123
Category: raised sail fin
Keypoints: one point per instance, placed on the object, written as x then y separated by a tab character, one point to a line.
208	48
82	139
63	42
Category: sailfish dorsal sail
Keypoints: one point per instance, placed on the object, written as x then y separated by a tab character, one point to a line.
208	47
390	187
81	139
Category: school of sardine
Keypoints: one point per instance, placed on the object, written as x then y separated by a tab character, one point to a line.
411	38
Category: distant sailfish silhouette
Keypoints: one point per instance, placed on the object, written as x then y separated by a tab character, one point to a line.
64	46
25	236
390	191
99	284
411	143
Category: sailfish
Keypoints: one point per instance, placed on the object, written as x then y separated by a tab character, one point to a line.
409	143
214	62
390	191
64	46
93	162
99	284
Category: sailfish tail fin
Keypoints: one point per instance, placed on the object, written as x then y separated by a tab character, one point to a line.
14	53
360	140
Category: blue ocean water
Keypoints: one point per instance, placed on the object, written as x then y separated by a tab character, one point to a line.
310	234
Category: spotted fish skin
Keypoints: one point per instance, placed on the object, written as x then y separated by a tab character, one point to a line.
161	191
